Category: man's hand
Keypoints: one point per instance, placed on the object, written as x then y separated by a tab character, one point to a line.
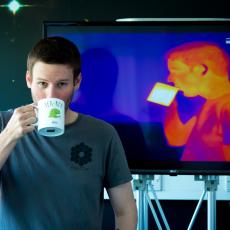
177	132
21	122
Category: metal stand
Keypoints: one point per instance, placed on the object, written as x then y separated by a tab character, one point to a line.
143	200
210	186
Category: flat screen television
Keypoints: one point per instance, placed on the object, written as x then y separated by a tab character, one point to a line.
163	84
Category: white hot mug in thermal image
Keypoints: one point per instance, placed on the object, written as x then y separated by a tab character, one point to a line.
162	94
50	117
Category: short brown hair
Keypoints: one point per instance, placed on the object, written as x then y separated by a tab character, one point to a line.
55	50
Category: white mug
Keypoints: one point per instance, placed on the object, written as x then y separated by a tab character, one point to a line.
50	117
162	94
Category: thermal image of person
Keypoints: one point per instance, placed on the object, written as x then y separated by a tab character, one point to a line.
200	69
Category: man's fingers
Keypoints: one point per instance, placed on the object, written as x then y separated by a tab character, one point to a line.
29	121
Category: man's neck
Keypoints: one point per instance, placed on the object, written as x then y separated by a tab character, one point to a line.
70	117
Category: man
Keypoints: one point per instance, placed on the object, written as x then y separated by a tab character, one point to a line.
200	69
58	182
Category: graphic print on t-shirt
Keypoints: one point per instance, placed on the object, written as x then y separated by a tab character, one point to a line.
81	154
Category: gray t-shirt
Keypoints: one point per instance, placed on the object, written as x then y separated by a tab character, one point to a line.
58	182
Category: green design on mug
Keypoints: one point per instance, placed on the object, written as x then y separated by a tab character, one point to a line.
54	113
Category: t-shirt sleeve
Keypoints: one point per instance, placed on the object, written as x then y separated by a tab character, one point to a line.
117	170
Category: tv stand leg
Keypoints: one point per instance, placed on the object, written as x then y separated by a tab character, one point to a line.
210	186
141	185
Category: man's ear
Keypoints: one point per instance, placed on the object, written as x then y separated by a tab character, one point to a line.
28	79
200	70
77	81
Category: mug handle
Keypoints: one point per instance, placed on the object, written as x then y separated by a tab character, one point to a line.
36	112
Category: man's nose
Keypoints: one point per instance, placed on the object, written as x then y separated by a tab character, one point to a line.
51	93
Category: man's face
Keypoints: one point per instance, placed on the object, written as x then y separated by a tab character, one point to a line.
52	80
183	77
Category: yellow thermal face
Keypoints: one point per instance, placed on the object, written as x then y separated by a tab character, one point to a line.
182	76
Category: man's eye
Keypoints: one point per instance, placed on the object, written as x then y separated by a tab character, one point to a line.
42	84
62	84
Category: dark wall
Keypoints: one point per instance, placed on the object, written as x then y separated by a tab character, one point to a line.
19	32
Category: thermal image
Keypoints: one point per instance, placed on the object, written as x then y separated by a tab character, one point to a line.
200	69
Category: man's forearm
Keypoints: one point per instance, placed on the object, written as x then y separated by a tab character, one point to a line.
6	146
126	222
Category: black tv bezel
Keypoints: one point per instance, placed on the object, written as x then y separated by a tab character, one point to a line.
159	167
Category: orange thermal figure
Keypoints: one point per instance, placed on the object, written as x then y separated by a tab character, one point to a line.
200	69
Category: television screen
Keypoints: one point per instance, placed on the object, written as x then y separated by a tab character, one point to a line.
164	85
